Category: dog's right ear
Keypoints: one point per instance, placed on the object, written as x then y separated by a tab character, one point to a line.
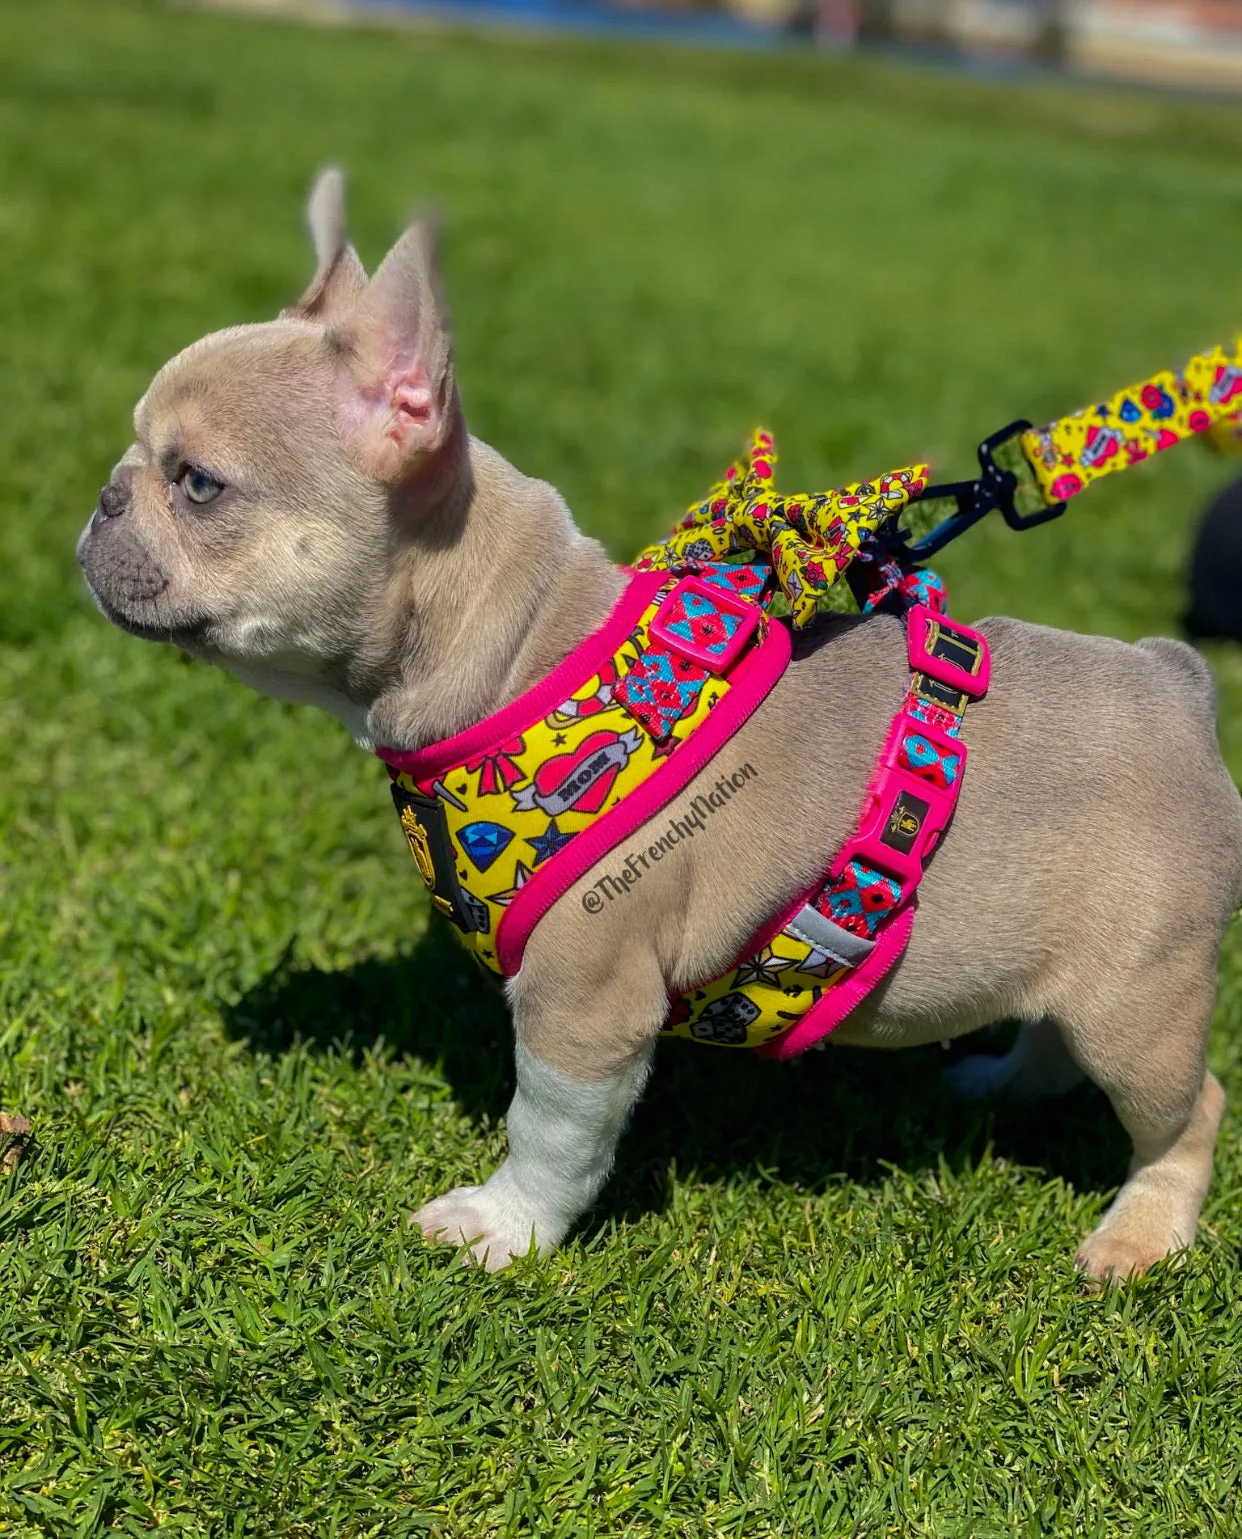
398	397
340	279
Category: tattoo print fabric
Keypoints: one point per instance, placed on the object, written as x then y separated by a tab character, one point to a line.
1067	455
810	539
480	831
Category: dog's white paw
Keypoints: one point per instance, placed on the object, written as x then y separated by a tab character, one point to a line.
980	1076
1037	1067
492	1232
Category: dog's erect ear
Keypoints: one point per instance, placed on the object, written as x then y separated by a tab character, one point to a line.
398	396
340	279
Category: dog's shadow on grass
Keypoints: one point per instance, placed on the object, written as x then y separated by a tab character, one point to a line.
708	1112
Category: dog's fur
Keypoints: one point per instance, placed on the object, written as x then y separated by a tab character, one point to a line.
366	554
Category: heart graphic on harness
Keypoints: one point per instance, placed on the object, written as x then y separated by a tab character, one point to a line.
580	780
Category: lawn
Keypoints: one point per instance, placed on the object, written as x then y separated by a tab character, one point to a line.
820	1300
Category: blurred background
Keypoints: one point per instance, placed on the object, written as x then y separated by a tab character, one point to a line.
1196	43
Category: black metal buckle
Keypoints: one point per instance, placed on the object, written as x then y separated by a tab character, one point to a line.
995	488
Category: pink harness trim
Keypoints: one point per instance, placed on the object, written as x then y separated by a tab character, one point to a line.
750	682
511	720
828	1012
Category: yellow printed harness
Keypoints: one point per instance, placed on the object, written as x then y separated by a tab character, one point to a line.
505	817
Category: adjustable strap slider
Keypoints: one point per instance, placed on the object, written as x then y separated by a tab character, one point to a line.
702	623
910	802
952	654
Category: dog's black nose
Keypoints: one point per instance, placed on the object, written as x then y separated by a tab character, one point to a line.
113	500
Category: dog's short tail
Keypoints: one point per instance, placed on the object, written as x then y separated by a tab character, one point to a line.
1192	669
1197	687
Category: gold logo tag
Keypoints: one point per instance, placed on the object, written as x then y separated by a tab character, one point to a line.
420	848
904	823
420	845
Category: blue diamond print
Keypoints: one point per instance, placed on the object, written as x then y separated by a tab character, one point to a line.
484	843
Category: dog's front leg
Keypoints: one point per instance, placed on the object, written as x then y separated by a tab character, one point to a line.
563	1134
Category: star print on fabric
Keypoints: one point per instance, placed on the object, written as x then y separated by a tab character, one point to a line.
521	876
548	842
764	967
559	740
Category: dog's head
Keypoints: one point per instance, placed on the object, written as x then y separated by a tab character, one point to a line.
277	469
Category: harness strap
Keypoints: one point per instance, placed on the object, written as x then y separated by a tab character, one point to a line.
909	805
503	818
802	974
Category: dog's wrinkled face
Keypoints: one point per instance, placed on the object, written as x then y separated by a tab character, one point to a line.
253	516
236	522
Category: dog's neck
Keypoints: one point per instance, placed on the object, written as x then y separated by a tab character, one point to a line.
494	589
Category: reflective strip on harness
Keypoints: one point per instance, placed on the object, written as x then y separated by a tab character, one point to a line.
821	934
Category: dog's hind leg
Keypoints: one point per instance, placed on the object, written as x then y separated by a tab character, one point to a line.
1038	1065
1168	1102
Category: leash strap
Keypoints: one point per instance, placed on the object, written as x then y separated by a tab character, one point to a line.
1067	455
1028	474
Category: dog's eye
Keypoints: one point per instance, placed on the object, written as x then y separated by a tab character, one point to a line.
198	485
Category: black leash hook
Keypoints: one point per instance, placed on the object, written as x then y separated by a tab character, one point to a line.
995	489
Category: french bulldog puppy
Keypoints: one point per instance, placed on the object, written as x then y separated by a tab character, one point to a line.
303	505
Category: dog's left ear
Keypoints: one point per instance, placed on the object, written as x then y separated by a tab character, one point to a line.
398	396
340	279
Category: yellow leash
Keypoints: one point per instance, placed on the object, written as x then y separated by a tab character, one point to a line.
1027	473
1067	455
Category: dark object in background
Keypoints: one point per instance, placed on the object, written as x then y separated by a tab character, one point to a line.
1216	569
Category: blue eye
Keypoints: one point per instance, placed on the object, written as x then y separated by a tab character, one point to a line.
198	485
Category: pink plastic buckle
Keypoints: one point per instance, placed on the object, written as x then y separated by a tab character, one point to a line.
678	609
905	814
925	629
717	656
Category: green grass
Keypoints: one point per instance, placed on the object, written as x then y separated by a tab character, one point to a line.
826	1300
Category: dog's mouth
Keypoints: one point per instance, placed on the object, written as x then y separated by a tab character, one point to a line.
131	591
187	631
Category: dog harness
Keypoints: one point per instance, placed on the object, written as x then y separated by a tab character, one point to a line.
503	818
